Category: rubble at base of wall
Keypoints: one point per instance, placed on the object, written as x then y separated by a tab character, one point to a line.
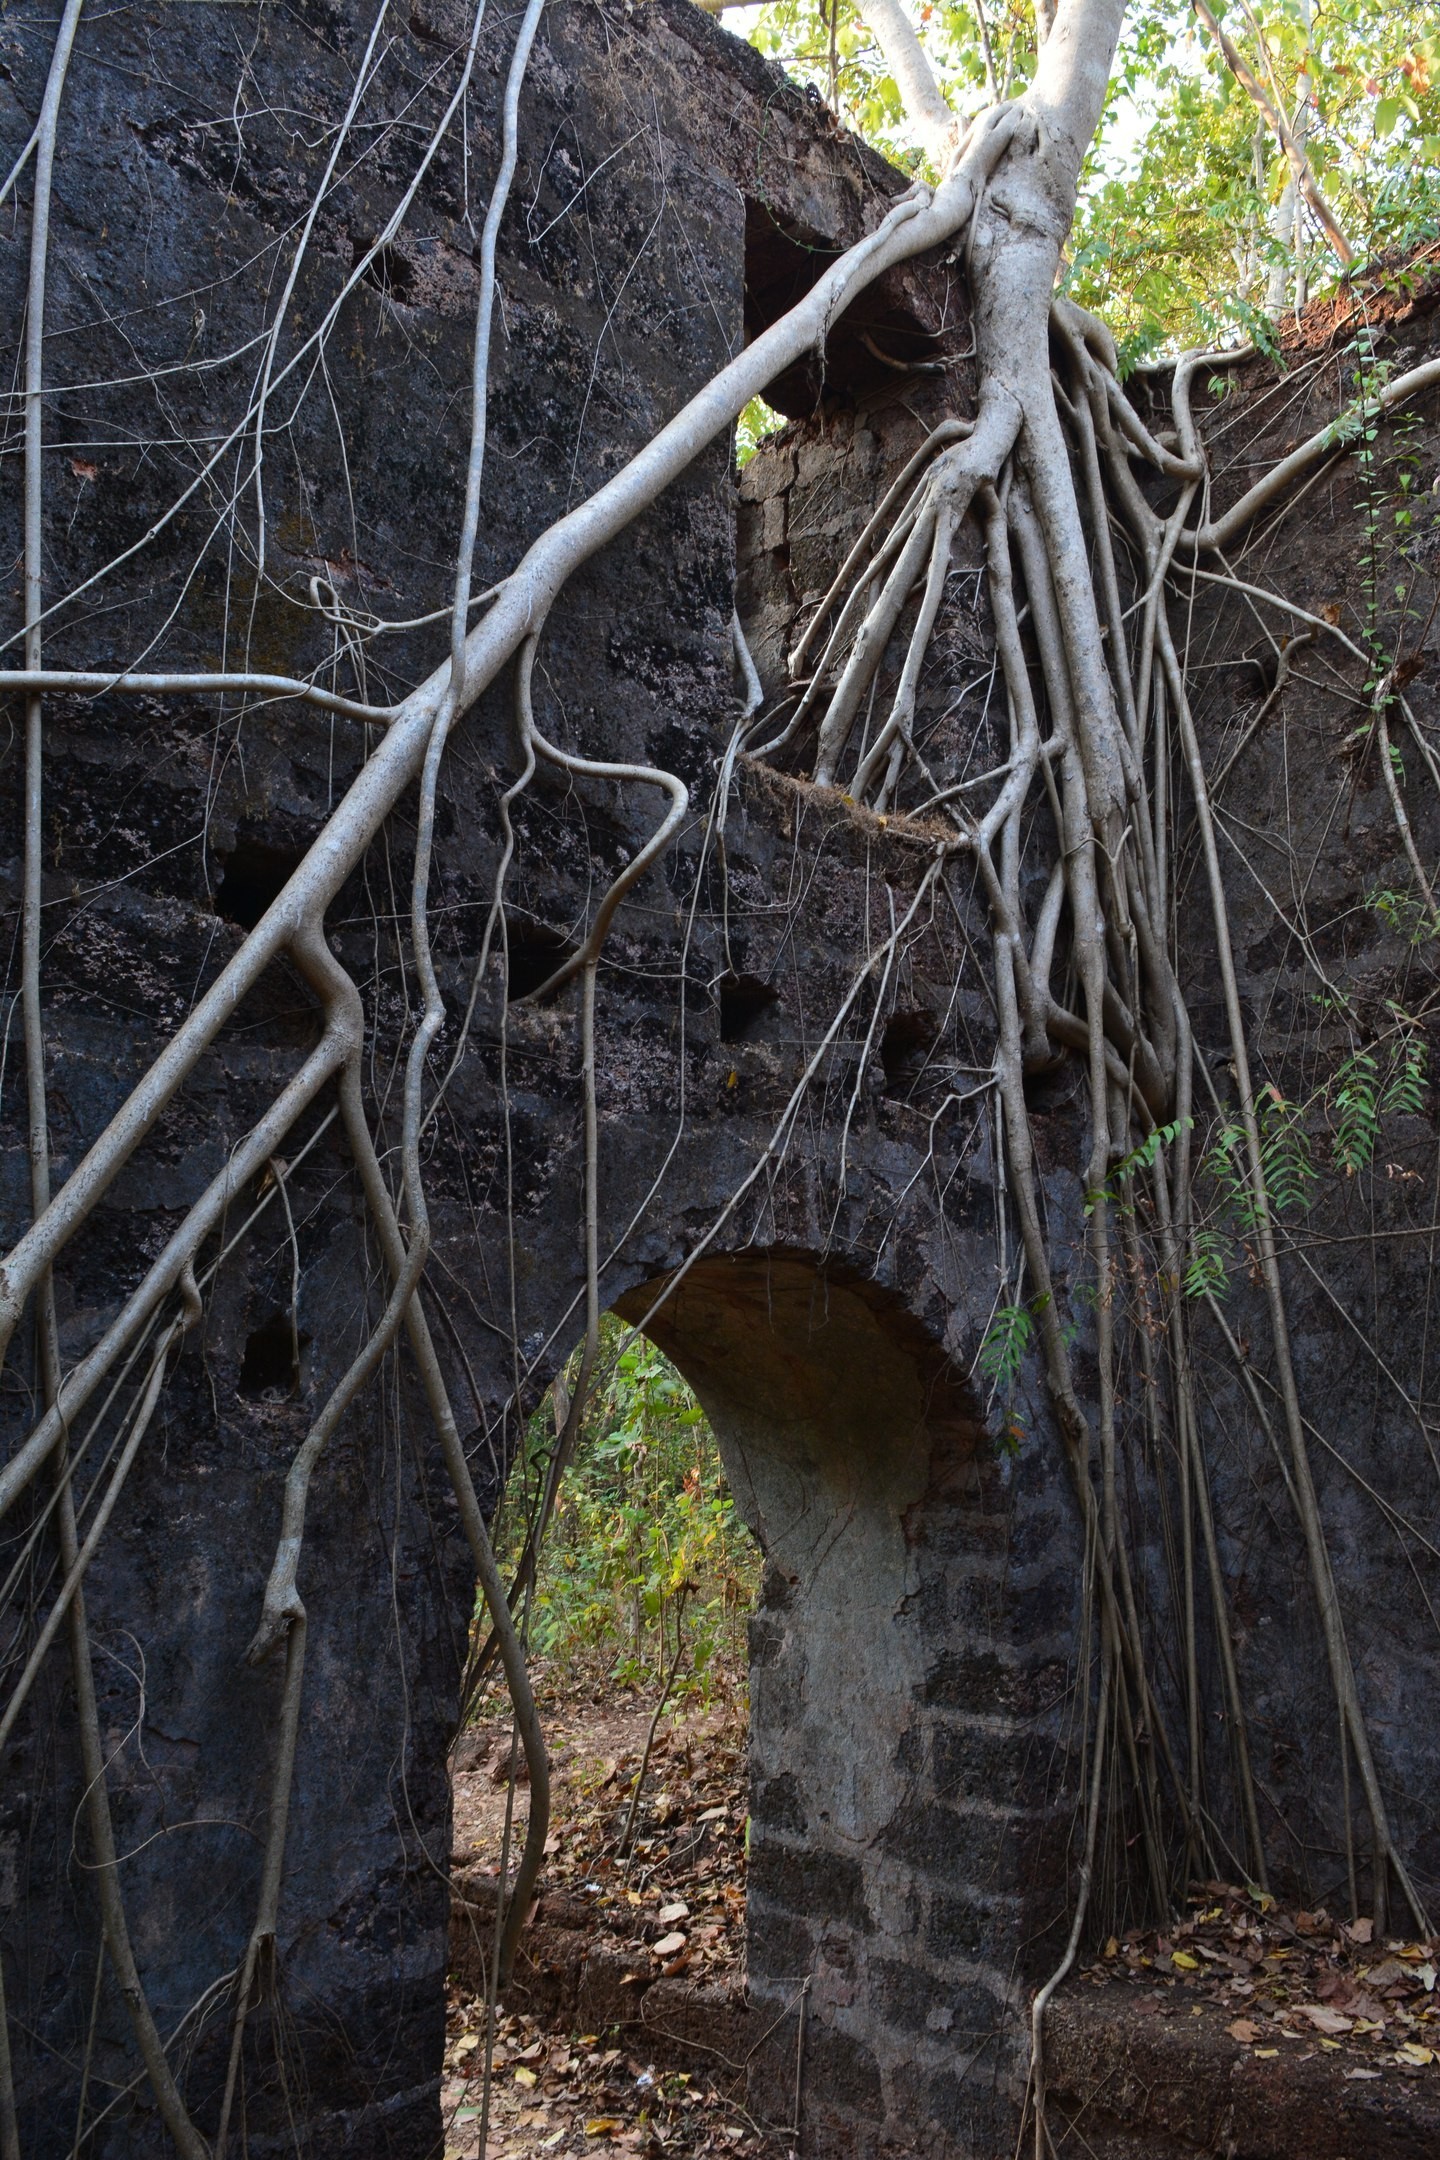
1131	2084
1125	2082
563	1976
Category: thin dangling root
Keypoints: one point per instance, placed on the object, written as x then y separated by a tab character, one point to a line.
1099	721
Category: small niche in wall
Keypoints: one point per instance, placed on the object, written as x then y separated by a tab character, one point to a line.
268	1367
388	272
905	1045
534	951
252	875
745	1002
883	336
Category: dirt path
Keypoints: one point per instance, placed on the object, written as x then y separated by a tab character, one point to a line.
677	1906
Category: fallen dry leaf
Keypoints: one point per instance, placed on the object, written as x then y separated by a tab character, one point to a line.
1324	2019
1245	2030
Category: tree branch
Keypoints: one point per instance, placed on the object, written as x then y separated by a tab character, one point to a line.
1299	163
927	107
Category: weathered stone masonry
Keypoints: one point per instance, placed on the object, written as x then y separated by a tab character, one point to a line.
913	1698
910	1666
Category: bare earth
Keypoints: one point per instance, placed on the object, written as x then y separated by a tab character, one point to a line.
677	1906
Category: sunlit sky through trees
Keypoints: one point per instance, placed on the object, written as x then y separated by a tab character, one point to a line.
1187	231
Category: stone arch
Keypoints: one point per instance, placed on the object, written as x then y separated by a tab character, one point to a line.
904	1842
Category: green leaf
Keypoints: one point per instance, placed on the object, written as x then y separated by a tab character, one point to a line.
1006	1341
1207	1273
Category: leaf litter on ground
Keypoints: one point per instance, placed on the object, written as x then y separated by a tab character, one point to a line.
676	1905
1287	1975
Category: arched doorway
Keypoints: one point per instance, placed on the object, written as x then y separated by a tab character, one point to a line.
910	1795
909	1810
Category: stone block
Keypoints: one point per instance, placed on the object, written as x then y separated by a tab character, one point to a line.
986	1761
910	2000
769	473
843	2069
779	1803
964	1926
980	1679
978	2105
824	1885
781	1946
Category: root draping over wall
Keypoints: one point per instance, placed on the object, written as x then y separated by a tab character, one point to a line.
438	919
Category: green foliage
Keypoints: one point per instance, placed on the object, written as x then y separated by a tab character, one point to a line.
1389	482
1173	240
1408	1077
1404	913
1371	1082
1006	1341
1369	1087
756	422
643	1512
1287	1164
1207	1272
825	43
1143	1157
1355	1108
1002	1353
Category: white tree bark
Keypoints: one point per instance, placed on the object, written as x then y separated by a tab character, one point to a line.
930	112
1291	140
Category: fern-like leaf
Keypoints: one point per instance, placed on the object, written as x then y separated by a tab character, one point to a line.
1006	1340
1405	1083
1286	1163
1355	1102
1207	1272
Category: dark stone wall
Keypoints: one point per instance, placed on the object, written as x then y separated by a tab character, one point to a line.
1326	964
660	159
914	1687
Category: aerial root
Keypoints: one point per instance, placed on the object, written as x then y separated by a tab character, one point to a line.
1097	716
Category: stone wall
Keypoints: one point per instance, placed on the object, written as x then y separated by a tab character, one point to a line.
909	1673
661	158
914	1655
1325	962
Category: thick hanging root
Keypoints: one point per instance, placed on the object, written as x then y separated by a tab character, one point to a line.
1095	698
1112	690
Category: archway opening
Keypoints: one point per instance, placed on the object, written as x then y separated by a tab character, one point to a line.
887	1818
636	1624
